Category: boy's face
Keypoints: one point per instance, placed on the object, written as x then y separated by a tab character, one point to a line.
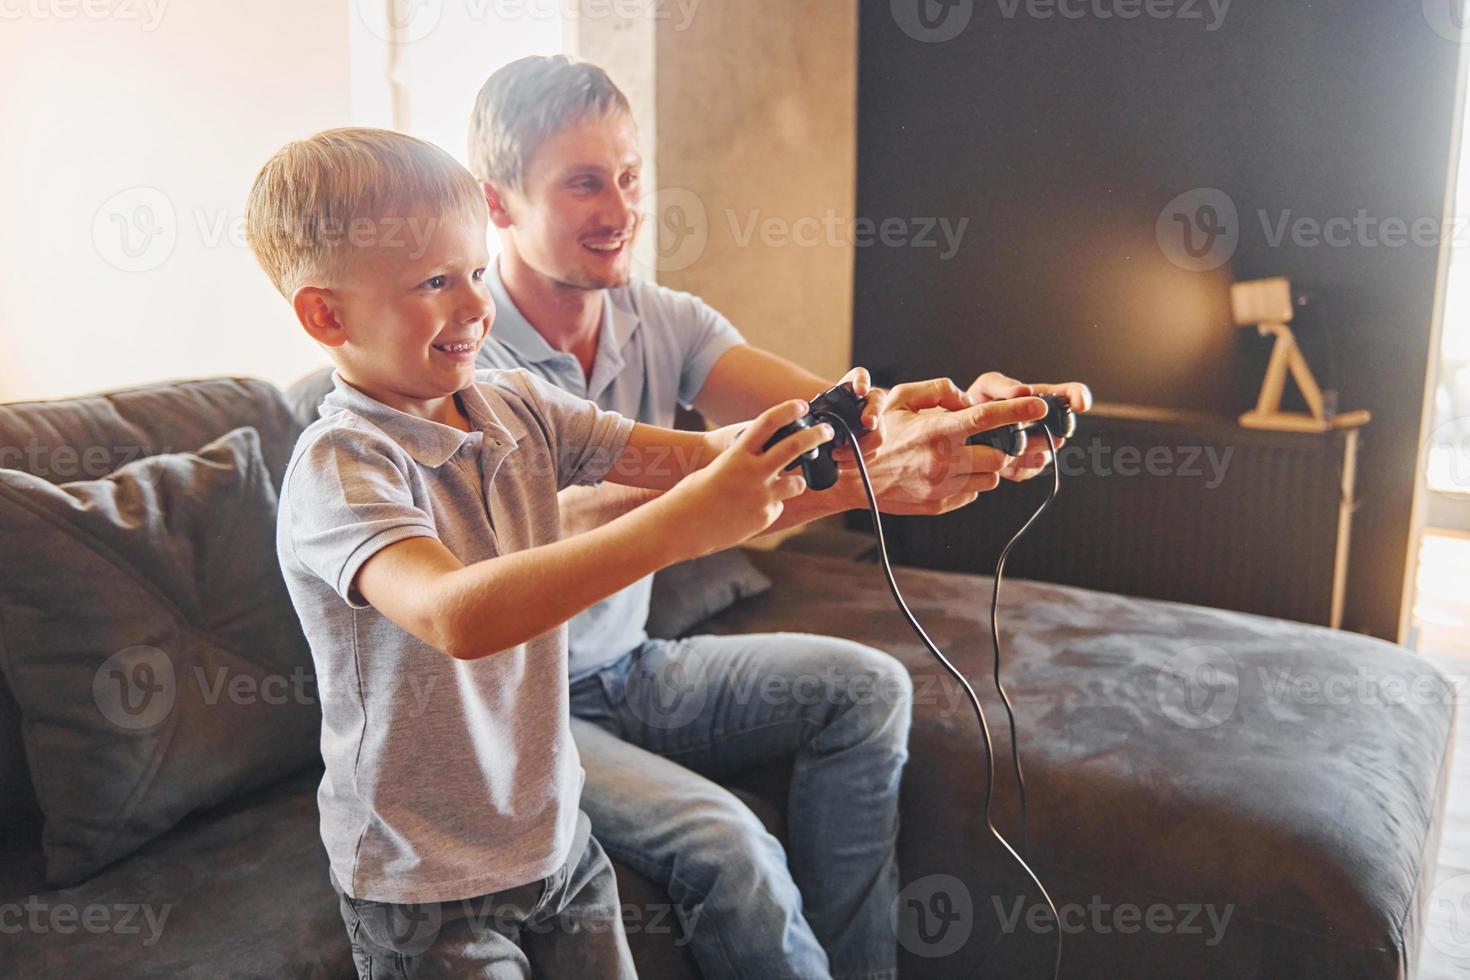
414	316
577	212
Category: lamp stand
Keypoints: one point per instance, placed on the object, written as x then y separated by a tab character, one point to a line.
1287	356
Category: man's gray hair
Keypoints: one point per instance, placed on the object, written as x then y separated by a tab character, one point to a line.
527	102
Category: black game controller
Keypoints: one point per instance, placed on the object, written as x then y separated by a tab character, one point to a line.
834	404
1012	439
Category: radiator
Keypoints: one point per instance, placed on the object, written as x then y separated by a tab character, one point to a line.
1169	506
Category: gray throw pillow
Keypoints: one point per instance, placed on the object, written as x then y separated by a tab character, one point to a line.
686	594
147	635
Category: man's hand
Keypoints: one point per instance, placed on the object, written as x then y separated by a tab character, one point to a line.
992	386
924	466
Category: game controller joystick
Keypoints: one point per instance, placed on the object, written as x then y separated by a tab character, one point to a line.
838	403
1012	439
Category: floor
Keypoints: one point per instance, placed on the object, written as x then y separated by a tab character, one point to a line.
1442	633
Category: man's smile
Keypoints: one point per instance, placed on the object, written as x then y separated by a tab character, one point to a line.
607	246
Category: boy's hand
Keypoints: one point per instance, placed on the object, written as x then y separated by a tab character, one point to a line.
724	437
742	491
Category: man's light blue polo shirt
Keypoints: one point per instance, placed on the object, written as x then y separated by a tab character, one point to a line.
655	348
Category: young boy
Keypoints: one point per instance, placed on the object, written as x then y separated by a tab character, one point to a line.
418	535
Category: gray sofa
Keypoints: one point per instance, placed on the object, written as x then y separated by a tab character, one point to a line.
1211	794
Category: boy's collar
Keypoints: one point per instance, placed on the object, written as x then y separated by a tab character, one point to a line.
432	444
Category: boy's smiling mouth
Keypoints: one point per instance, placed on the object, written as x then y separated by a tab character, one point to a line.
462	352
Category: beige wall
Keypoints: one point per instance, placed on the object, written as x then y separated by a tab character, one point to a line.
626	48
131	147
756	105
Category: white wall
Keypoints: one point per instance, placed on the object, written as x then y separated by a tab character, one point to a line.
446	51
133	129
106	118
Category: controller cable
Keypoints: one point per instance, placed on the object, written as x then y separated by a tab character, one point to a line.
903	606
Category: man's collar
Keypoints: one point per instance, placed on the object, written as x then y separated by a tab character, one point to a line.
511	328
430	444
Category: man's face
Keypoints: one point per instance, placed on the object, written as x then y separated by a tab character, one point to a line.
415	316
577	212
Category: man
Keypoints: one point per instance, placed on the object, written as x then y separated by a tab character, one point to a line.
554	146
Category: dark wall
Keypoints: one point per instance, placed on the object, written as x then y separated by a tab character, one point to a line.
1065	140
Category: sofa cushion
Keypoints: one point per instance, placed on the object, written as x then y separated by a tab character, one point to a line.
237	891
1177	758
242	891
150	644
686	594
89	437
305	396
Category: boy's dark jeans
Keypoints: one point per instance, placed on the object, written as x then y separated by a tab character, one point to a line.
569	924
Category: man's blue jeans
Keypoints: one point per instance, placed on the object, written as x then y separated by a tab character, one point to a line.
657	728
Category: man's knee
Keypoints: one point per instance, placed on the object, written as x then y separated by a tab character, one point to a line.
723	840
877	687
723	827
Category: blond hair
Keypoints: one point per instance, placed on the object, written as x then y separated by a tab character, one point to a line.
528	101
318	200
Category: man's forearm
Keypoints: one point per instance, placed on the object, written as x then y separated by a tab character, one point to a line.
748	380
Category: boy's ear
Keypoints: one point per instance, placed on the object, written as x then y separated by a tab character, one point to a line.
495	201
317	310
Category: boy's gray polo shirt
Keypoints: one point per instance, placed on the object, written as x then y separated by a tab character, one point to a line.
655	348
445	779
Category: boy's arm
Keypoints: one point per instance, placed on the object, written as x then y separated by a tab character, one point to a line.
655	458
585	508
470	611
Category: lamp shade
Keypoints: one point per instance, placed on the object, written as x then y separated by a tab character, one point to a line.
1261	301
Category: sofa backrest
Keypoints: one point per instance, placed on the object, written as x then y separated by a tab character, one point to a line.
89	437
305	396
